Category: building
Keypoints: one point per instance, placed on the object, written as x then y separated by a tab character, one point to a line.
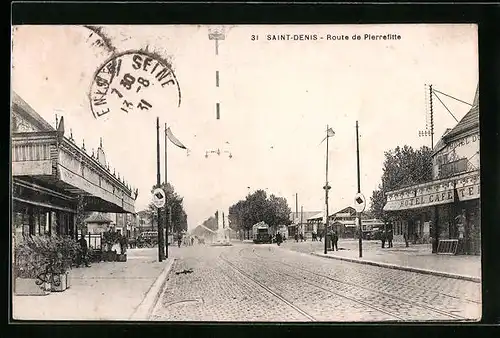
53	178
144	221
205	233
343	222
447	207
97	223
300	224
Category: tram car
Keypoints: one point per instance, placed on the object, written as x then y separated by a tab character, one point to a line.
261	233
147	239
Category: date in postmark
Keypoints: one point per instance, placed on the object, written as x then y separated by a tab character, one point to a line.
133	81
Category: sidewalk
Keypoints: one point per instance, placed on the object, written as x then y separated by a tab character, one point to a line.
104	291
416	258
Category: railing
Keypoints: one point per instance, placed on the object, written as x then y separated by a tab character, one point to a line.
447	246
94	241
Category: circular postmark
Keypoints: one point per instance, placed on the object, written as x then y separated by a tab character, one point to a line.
133	81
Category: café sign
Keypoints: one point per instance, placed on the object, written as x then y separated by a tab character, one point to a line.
430	194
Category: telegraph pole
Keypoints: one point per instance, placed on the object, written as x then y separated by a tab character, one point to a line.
432	117
158	185
301	213
326	187
296	212
359	191
167	215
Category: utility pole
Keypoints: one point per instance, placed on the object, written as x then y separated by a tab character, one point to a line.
301	224
432	117
158	185
359	191
326	187
296	212
167	215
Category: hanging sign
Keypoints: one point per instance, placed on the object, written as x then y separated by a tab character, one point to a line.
159	197
359	202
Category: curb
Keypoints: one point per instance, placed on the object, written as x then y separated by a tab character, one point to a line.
404	268
143	311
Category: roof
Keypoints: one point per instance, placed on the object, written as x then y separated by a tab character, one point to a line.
202	228
441	143
469	121
97	218
26	110
316	216
295	216
319	215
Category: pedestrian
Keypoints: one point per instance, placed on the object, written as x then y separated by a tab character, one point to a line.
296	237
383	238
335	240
405	237
278	239
192	241
179	241
389	238
320	236
83	259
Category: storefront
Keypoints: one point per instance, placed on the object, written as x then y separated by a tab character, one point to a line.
447	208
53	178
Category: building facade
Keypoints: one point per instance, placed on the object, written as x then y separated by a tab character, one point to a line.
448	207
52	177
300	225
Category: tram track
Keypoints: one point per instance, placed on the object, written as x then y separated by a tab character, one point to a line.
396	317
377	308
400	283
266	288
407	285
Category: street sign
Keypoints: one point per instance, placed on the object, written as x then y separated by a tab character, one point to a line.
359	202
159	197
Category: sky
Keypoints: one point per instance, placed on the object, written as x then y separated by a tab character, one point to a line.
276	99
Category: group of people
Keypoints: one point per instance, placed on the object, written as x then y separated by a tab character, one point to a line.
387	236
299	236
279	238
315	236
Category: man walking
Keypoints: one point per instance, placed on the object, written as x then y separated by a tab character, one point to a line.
389	238
335	240
83	259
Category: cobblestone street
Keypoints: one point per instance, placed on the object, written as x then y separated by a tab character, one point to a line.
248	282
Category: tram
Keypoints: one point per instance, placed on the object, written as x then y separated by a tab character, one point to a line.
261	233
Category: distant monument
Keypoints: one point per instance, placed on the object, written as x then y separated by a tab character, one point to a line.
222	231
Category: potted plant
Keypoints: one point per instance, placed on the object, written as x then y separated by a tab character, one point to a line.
29	264
65	251
109	238
122	257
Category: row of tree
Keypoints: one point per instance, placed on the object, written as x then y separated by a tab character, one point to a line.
258	207
402	167
174	204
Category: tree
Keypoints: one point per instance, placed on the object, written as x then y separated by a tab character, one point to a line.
257	207
175	203
403	167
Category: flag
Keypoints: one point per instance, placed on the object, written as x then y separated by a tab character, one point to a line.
329	133
174	140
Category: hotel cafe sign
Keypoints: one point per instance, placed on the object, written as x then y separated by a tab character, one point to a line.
434	193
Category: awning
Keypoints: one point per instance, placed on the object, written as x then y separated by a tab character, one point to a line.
439	192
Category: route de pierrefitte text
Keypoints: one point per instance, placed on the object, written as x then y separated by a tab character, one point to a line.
328	37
